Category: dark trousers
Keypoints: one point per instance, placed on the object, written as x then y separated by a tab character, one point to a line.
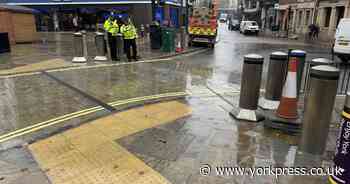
130	44
112	42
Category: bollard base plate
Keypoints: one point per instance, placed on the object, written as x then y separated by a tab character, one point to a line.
246	114
290	126
268	104
100	58
79	60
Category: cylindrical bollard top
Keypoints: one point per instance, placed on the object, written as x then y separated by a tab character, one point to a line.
279	56
78	34
99	33
325	72
298	53
347	101
253	59
322	61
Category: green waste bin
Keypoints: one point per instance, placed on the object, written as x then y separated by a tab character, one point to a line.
168	40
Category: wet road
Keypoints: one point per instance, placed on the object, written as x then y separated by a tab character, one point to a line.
206	136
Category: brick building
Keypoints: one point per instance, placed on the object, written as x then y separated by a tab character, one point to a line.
19	23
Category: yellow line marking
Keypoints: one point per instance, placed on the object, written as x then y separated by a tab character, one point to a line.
347	115
66	117
88	154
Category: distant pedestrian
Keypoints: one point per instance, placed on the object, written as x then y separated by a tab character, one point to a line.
142	30
75	23
130	34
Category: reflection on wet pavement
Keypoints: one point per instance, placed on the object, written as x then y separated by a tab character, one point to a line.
32	99
126	81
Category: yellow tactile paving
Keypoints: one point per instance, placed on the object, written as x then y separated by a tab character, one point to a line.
44	65
89	154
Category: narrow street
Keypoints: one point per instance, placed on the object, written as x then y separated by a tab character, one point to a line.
53	122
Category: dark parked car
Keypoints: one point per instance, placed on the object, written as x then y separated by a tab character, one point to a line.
233	25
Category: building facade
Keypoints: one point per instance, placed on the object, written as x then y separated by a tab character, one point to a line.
261	11
296	15
329	14
57	15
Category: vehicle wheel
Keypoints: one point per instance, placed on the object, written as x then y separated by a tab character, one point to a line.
190	43
211	45
344	58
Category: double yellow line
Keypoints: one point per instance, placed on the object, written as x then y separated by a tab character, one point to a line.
84	112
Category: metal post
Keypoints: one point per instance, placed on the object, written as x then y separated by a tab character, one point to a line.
183	37
342	152
250	89
78	43
300	56
275	79
100	43
85	49
318	108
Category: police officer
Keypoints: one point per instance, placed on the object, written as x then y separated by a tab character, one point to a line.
130	34
112	28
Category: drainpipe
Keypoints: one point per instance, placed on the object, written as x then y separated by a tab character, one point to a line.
314	15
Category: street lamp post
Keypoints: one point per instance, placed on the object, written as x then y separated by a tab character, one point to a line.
153	10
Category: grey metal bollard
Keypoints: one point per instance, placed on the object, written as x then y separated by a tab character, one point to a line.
183	36
250	89
315	62
120	46
300	56
319	107
100	43
276	74
79	48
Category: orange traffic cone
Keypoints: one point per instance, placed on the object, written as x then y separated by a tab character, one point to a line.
288	106
178	47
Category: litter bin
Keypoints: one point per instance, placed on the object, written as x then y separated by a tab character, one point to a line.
168	40
155	36
4	43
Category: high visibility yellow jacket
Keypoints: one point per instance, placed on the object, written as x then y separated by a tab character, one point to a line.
129	31
111	26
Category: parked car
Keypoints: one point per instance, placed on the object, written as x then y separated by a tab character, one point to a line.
223	18
233	25
249	27
341	46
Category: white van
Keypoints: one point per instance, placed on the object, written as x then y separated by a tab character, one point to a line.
249	27
342	40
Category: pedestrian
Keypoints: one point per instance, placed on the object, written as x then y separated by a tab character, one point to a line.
112	28
142	30
311	31
317	31
129	34
75	23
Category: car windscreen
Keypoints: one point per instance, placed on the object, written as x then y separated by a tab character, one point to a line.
343	29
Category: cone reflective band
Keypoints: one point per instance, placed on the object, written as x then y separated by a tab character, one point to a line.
318	108
300	56
275	78
288	105
250	89
342	152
